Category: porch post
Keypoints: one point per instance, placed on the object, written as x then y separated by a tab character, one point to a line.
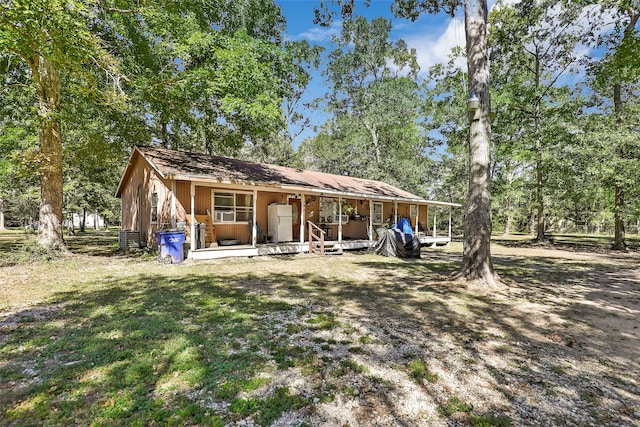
395	212
426	222
303	216
449	242
370	220
417	217
173	204
435	233
254	229
339	219
193	217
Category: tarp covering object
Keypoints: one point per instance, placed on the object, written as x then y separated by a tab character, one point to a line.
395	242
404	225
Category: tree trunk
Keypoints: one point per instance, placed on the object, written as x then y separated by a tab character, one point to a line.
619	242
375	142
83	220
532	222
540	236
2	215
49	89
476	260
507	225
619	238
539	178
72	227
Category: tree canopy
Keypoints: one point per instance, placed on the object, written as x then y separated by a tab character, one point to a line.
83	81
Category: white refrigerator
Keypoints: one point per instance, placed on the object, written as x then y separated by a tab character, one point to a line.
280	223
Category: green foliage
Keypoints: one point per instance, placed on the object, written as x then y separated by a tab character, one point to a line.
210	76
266	411
489	421
453	405
620	63
537	115
374	98
419	371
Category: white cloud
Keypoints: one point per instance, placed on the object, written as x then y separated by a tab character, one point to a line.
435	48
321	34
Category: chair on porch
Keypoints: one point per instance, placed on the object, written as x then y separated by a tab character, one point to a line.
260	234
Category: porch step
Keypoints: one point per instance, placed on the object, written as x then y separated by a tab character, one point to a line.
329	249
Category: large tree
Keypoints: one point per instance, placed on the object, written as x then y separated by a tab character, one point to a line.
476	265
476	262
54	39
209	76
373	98
618	71
534	44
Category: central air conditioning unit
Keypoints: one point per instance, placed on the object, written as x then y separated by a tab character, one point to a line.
129	239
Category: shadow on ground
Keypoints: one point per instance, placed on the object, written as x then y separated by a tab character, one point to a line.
213	348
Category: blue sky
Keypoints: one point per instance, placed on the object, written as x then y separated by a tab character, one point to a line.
433	37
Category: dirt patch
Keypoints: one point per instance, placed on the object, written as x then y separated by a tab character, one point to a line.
559	345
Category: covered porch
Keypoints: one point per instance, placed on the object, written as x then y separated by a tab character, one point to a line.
348	221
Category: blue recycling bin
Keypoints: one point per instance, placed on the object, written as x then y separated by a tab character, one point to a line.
171	244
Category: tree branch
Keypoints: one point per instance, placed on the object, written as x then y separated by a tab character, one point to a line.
14	85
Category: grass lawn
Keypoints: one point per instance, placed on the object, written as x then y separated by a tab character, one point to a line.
109	338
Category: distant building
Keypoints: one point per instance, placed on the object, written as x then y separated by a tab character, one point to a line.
90	221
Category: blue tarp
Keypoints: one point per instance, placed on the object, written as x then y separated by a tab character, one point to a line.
405	226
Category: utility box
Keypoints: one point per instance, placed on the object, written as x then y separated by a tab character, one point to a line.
171	244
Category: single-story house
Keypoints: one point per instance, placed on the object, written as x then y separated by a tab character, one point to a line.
240	208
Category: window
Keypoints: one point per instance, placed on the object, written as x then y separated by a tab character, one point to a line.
376	218
232	207
328	211
154	207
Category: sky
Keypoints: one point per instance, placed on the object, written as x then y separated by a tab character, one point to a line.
433	37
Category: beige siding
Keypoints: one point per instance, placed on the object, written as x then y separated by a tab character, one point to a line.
239	231
387	211
183	199
136	204
203	200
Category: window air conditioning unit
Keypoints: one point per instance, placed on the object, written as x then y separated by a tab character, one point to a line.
224	216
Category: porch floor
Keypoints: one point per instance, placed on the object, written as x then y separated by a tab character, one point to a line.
247	250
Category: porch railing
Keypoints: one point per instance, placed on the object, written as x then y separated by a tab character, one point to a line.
316	241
